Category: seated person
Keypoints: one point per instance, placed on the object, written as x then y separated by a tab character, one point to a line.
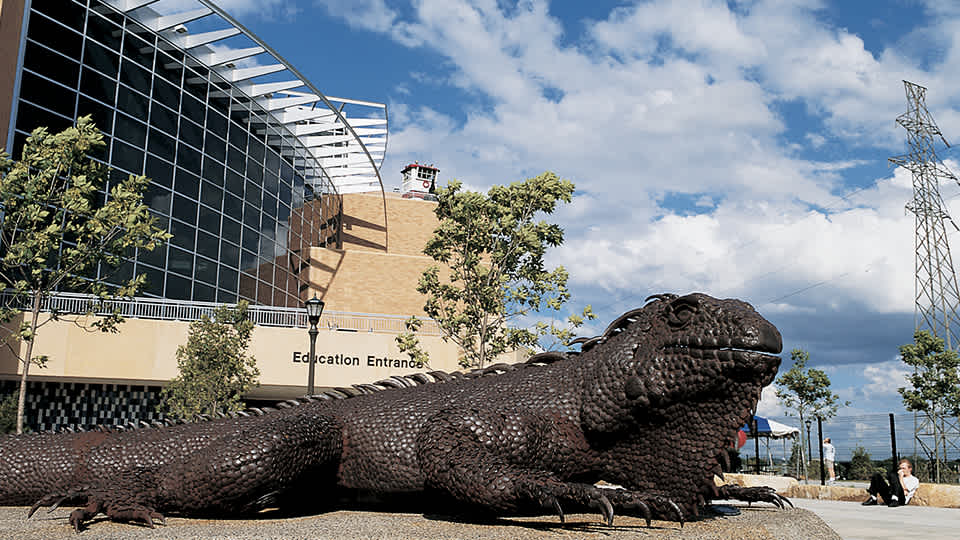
899	491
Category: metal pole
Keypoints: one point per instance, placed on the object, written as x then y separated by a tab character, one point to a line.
893	441
823	478
756	445
313	357
806	464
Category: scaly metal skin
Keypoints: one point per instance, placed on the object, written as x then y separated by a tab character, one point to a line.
651	405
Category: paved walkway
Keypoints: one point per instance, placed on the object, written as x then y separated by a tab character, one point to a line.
855	522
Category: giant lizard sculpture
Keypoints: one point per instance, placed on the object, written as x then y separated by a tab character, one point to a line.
651	405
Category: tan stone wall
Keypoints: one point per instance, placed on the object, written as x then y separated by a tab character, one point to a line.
11	19
410	223
144	352
364	277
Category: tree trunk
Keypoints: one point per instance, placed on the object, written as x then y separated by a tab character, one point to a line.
22	398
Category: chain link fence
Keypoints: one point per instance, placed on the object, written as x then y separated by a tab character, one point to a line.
864	444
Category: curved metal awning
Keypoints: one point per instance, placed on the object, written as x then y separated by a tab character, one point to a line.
346	138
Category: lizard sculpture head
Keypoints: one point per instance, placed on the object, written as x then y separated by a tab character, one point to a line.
676	349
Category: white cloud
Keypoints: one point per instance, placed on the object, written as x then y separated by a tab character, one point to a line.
770	404
683	97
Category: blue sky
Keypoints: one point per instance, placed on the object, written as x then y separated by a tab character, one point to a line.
737	148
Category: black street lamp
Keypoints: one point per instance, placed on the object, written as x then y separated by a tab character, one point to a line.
314	310
806	466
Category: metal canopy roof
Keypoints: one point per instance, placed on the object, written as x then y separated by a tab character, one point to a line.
345	139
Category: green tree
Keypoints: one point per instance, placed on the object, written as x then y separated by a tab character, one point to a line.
935	387
861	466
805	392
8	414
215	369
492	249
60	233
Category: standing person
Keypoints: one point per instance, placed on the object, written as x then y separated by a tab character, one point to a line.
899	491
829	455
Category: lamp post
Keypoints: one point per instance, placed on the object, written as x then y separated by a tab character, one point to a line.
314	310
806	465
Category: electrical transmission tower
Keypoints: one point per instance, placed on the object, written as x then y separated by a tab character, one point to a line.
936	292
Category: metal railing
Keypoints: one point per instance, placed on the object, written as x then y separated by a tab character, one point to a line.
181	310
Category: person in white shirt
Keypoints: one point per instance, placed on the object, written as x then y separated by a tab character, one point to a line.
829	455
899	491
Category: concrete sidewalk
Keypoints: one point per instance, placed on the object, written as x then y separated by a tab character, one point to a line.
855	522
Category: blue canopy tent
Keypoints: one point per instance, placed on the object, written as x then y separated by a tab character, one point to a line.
769	429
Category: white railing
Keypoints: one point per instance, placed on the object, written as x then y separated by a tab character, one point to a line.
181	310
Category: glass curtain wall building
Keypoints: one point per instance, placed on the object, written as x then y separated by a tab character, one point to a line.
248	159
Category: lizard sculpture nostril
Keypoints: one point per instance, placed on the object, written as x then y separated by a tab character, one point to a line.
770	339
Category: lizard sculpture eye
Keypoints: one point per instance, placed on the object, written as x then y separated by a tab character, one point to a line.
681	314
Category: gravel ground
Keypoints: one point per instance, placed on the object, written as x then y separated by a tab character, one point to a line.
753	523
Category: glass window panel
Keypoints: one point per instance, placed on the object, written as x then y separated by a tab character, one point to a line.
238	135
211	195
154	284
166	93
157	257
130	130
273	162
97	86
132	103
255	172
235	158
217	124
159	171
30	118
270	206
101	114
161	220
161	145
209	220
256	150
251	216
187	184
164	119
234	184
271	184
138	50
158	198
184	209
67	13
212	171
135	76
191	133
215	147
189	159
228	278
251	239
127	157
195	88
248	287
180	261
203	293
284	193
232	206
207	245
178	288
264	293
55	36
47	94
221	105
51	64
248	261
118	275
226	297
169	68
192	109
283	213
231	230
229	255
267	247
252	194
101	58
103	30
